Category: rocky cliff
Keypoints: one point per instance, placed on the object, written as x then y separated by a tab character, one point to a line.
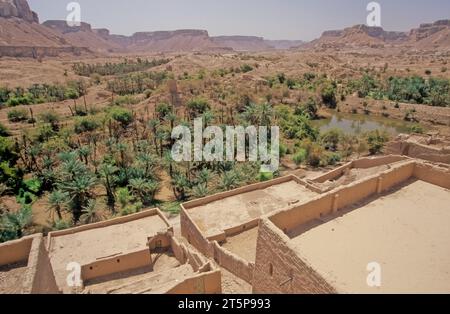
19	9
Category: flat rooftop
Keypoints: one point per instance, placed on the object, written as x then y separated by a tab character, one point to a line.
91	245
406	231
232	211
243	244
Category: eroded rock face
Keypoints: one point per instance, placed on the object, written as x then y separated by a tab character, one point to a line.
64	28
429	29
19	9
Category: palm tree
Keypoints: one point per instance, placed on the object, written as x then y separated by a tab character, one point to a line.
109	180
58	201
180	183
265	114
144	189
162	136
168	162
204	176
230	180
84	153
200	190
79	190
16	222
91	213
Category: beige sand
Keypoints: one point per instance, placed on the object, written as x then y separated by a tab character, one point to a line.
243	244
88	246
232	211
407	232
12	277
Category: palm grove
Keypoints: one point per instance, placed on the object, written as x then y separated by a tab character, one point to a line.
115	160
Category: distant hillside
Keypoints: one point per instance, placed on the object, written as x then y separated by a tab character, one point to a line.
357	36
83	36
179	40
428	36
432	35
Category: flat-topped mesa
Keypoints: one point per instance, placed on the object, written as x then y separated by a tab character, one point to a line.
102	32
376	32
162	35
333	33
64	28
19	9
428	29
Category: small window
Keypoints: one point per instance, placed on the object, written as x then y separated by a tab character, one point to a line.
270	269
118	260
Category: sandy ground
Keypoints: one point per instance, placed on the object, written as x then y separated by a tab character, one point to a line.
88	246
11	277
164	273
406	232
223	214
243	244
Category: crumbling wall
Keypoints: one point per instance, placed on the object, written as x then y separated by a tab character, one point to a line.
233	263
363	163
116	264
290	218
40	278
191	232
111	222
15	251
278	269
433	174
203	283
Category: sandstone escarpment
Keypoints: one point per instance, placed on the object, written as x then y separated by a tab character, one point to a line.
19	9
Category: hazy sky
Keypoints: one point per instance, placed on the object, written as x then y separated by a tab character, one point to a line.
272	19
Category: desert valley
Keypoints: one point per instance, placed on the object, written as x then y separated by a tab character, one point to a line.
87	176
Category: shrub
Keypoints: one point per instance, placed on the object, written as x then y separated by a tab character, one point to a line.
4	131
50	117
122	115
246	68
86	124
265	176
197	107
328	95
376	141
330	139
315	156
300	156
18	115
416	128
333	158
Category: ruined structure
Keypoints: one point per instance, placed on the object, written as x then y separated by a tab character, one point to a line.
133	254
286	235
25	267
397	218
262	232
430	147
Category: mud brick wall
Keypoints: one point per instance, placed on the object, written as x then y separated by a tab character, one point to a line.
278	269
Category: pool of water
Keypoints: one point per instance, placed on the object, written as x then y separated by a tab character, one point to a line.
356	124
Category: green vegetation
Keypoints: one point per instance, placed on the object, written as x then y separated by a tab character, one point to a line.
136	83
125	67
41	93
414	89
